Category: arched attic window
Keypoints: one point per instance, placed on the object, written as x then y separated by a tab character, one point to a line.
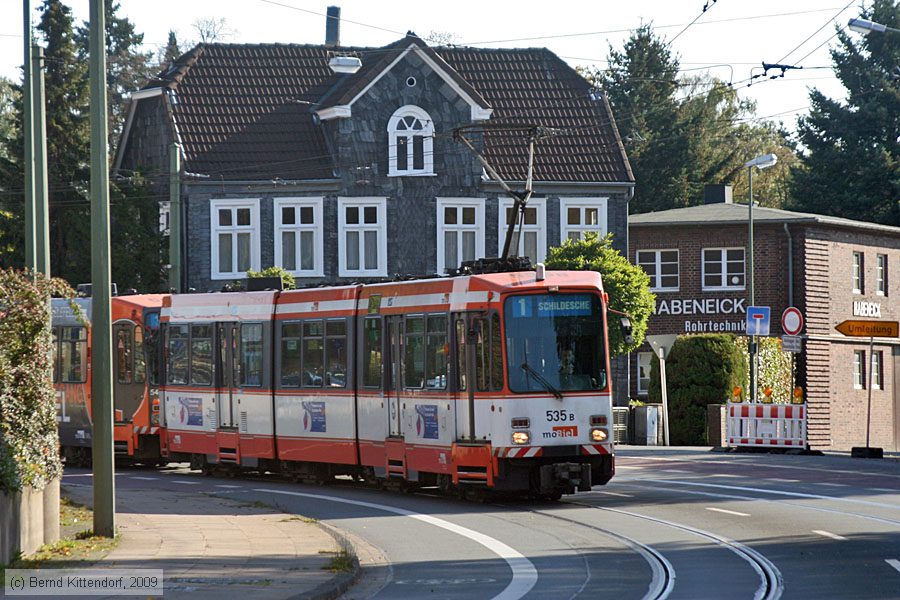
410	142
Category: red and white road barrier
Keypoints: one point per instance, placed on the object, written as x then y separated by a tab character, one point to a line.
766	425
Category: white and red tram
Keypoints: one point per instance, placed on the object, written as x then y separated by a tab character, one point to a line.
497	381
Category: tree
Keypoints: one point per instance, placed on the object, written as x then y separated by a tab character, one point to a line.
851	164
628	285
171	52
212	29
136	240
679	132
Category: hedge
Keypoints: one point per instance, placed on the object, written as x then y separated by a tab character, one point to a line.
29	441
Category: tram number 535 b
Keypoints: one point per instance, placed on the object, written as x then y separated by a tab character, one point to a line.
559	416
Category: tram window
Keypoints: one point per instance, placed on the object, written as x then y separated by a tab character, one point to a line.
124	355
336	353
414	353
55	331
177	355
461	338
436	353
290	355
496	354
201	355
73	356
140	365
251	354
482	355
313	353
372	357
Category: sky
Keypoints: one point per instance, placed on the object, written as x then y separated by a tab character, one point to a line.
730	39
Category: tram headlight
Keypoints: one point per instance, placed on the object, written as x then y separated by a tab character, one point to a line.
520	438
599	434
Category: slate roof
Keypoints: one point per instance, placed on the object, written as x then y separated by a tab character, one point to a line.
737	214
244	111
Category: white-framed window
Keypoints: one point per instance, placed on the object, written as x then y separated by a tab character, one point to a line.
533	239
578	216
858	273
410	142
644	361
876	370
362	237
460	231
881	275
662	267
298	236
234	233
859	369
165	215
723	269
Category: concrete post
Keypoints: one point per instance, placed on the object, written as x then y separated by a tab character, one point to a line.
39	151
30	255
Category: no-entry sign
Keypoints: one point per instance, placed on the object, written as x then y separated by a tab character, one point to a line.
792	321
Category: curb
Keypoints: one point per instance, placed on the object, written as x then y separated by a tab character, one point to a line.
341	582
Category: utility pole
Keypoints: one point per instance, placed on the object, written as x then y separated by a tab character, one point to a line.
39	154
175	218
101	330
27	133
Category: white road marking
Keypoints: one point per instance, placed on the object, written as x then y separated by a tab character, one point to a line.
893	562
833	484
783	480
185	482
228	487
743	461
728	512
524	575
617	494
144	478
886	490
67	475
828	534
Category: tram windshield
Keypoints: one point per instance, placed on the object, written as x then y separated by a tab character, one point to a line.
554	343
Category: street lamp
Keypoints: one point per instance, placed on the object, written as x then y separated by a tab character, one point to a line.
760	162
864	26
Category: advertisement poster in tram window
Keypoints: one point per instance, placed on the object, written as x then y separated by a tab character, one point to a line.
427	421
570	305
191	411
314	417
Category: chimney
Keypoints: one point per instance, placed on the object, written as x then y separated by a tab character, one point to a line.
333	27
716	193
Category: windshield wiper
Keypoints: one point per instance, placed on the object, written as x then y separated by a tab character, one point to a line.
542	380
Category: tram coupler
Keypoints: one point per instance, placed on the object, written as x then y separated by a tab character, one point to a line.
570	476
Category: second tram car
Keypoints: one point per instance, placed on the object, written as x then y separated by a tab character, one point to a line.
497	381
135	330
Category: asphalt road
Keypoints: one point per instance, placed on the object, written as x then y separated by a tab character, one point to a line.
673	523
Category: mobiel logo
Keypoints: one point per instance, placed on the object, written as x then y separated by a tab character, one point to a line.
705	306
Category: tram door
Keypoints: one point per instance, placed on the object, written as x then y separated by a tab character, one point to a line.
227	336
128	390
395	354
464	373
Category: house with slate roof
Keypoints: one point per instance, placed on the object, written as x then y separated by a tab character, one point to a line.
353	177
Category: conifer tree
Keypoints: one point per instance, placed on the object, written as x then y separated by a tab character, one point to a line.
851	163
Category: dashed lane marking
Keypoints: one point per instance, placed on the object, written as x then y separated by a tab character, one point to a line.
893	562
227	486
524	575
621	495
185	482
728	512
144	478
832	484
828	534
887	490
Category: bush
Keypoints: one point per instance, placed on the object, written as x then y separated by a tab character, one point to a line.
700	369
287	279
29	440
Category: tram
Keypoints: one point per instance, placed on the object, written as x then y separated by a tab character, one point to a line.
135	355
496	381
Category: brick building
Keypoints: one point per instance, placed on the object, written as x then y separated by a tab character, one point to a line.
832	269
347	177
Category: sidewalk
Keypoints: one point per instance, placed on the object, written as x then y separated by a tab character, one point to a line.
212	548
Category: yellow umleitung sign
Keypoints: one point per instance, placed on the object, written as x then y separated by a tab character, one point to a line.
869	328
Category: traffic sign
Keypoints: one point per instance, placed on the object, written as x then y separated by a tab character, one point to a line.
792	320
758	319
792	343
855	328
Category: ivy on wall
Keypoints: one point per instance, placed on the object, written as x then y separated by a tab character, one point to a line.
29	440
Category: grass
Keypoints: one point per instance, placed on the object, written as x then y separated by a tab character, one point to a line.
341	562
301	519
78	544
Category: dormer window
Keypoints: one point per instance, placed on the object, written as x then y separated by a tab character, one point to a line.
410	143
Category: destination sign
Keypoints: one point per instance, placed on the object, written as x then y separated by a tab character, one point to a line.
869	328
545	305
